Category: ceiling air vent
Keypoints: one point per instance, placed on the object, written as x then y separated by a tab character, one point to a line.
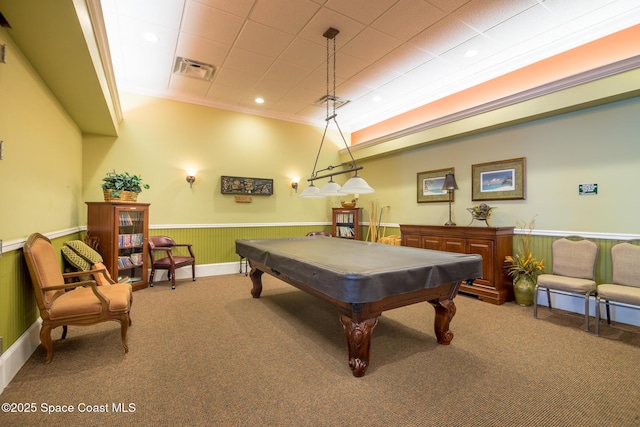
190	68
339	102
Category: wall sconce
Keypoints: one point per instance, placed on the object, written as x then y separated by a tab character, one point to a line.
450	185
294	183
191	177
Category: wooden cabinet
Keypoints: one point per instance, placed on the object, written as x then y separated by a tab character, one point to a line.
492	243
122	230
346	223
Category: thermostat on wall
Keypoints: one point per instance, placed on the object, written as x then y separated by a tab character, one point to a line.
588	189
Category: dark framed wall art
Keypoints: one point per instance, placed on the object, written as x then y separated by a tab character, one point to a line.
243	185
501	180
429	186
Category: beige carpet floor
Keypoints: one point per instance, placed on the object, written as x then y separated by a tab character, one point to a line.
207	354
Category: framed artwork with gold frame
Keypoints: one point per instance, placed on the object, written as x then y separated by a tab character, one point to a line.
429	186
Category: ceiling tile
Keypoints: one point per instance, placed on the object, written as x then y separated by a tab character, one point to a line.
364	11
189	85
282	15
283	72
394	22
210	23
237	7
305	54
264	40
370	45
484	14
327	18
202	50
444	35
249	62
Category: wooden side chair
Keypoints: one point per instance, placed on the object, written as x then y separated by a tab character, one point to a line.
170	261
77	303
625	287
574	271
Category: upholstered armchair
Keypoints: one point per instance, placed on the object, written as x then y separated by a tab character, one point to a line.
77	303
574	270
171	260
625	287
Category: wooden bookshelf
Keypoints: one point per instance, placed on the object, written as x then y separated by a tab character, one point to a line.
122	232
346	223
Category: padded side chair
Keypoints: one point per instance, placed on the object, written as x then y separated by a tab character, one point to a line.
170	261
625	289
78	303
574	270
318	233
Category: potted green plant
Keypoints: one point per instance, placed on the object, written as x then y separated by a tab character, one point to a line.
122	187
523	266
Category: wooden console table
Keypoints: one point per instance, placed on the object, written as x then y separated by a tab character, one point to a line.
492	243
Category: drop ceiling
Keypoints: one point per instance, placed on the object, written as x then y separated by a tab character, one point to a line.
392	55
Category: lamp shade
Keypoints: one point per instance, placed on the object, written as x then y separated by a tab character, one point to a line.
449	182
356	185
331	188
311	192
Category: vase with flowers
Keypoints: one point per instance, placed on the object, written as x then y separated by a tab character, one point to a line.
523	266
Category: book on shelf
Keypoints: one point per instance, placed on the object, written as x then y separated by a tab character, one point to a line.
136	258
130	240
127	219
124	262
345	231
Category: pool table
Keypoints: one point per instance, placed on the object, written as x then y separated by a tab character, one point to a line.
362	280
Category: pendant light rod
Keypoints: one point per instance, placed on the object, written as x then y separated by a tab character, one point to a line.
351	169
355	182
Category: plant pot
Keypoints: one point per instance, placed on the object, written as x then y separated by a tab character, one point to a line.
524	290
124	196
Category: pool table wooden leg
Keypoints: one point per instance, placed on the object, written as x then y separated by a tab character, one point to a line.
445	310
256	279
358	334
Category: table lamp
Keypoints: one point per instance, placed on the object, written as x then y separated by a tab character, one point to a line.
450	185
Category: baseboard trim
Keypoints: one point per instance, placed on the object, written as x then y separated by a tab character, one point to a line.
17	355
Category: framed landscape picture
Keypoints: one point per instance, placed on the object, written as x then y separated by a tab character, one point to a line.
502	180
430	186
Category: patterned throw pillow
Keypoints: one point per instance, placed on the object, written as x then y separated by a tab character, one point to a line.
83	250
75	260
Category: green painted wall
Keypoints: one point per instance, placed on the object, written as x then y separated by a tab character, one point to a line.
595	145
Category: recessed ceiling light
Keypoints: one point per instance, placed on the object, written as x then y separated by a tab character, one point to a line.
150	37
470	53
259	100
377	99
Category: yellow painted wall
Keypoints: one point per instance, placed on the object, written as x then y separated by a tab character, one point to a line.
161	138
40	180
41	173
